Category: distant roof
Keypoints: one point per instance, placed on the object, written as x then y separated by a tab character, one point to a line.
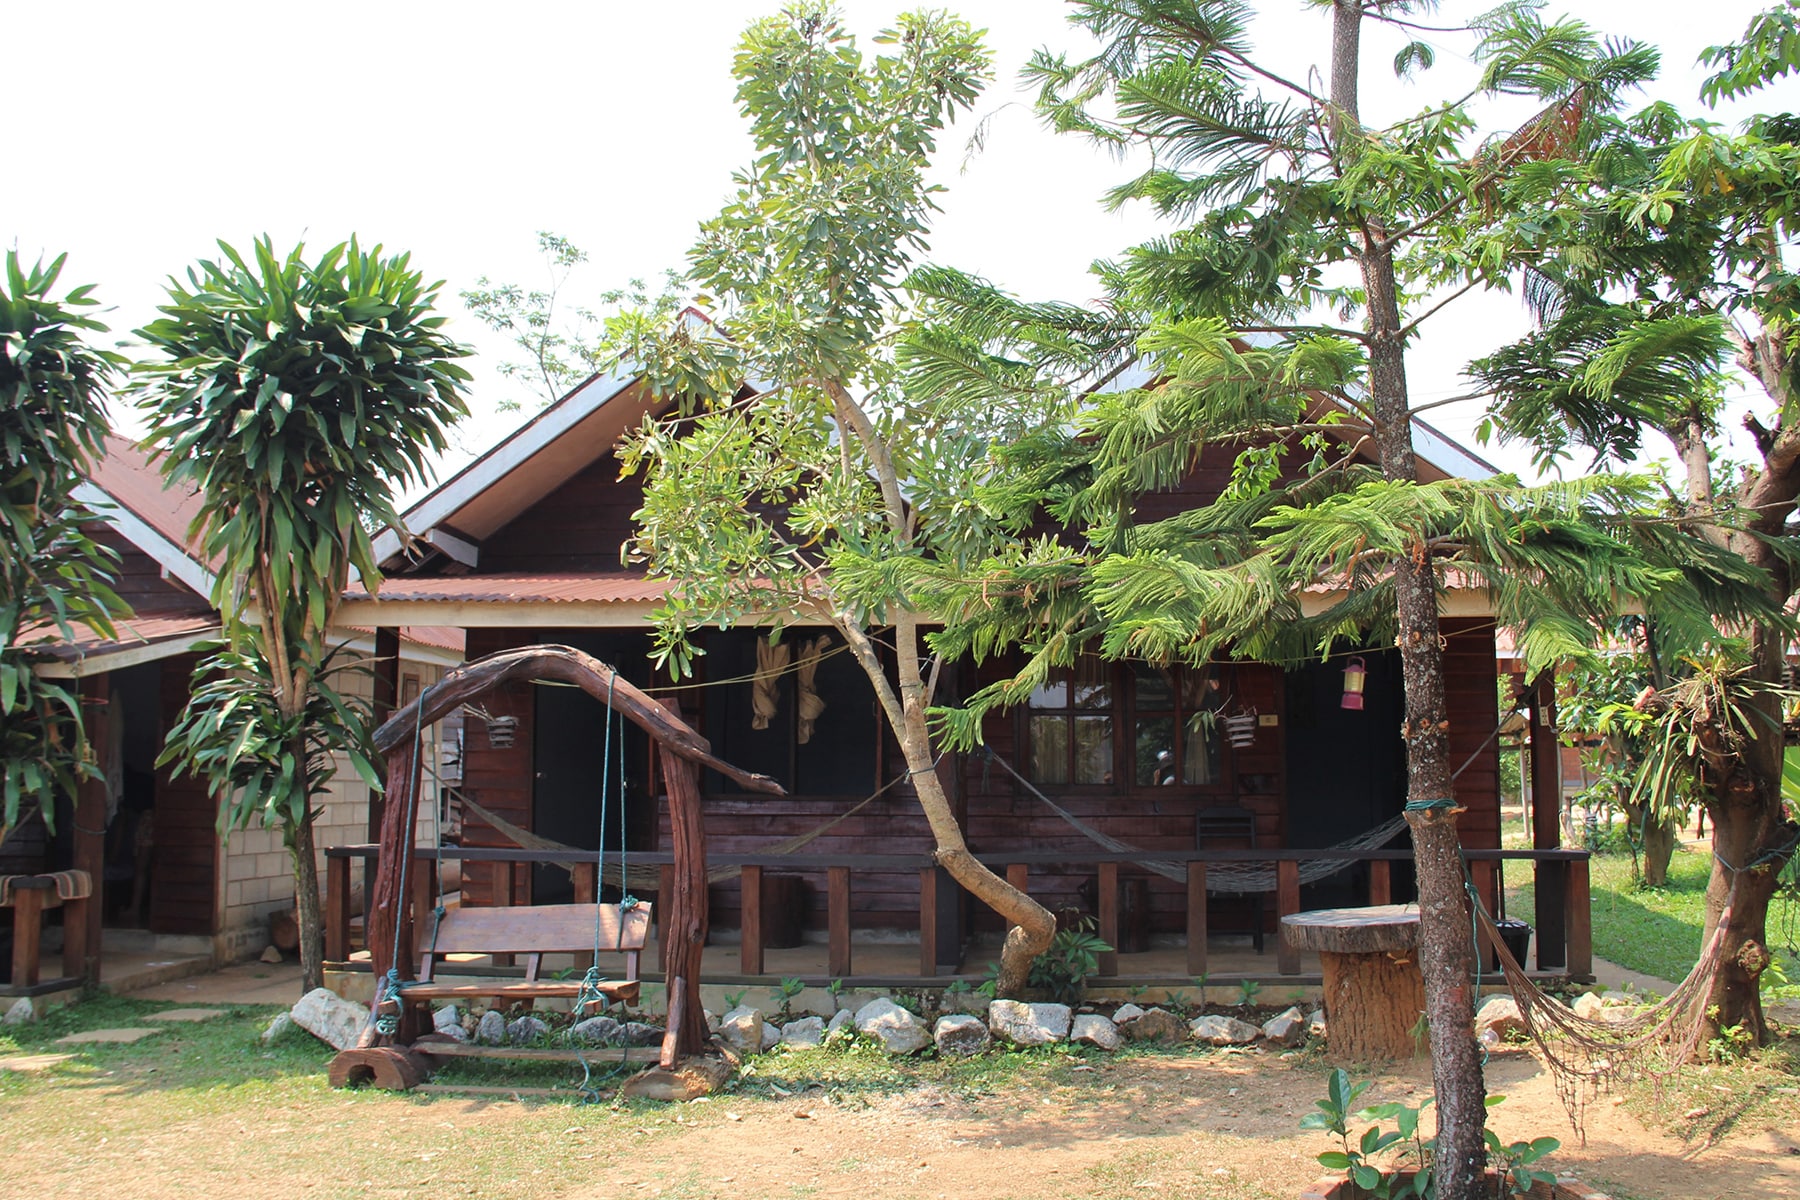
598	588
128	476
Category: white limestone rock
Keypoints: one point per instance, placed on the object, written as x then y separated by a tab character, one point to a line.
1498	1017
22	1012
1025	1024
842	1024
1095	1030
898	1031
330	1018
277	1028
445	1017
960	1035
1216	1029
1125	1014
1158	1025
1588	1006
742	1029
491	1029
804	1033
526	1030
1315	1023
1286	1028
595	1031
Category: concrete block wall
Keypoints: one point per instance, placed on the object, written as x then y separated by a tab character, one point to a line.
259	872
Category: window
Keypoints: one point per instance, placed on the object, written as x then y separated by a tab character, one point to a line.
1169	713
1177	738
1070	727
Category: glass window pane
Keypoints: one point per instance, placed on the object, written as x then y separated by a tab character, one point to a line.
1053	694
1200	750
1049	749
1155	751
1152	690
1093	750
1093	683
1200	689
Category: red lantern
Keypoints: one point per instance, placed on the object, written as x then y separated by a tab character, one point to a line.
1356	674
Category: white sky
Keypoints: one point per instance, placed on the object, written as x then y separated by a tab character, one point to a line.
456	131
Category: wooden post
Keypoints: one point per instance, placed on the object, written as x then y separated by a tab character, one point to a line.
1196	919
686	902
665	886
1287	902
81	918
28	932
1381	882
384	698
750	924
1019	875
337	908
928	919
837	919
1581	923
1109	918
1546	823
586	880
424	899
1551	913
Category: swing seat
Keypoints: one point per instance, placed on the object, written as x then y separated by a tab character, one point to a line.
534	931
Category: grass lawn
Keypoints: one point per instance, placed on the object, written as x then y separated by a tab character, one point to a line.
1657	930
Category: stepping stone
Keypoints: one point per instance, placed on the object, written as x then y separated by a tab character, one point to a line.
116	1036
186	1014
33	1062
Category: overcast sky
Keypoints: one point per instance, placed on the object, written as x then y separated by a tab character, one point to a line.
142	132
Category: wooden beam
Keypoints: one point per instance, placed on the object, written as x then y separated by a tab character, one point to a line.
837	920
81	918
1109	918
928	920
750	951
1196	919
1287	902
1546	766
585	877
665	887
384	699
686	903
1581	923
28	933
1552	900
1019	875
1381	883
337	909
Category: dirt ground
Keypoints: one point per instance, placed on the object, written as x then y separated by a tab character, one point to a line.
1214	1127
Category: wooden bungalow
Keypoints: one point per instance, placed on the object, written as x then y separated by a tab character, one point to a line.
1256	772
165	885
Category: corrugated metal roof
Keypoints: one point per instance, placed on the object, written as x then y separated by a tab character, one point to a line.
138	631
610	588
126	474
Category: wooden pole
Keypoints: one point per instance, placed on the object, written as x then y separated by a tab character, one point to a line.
81	918
837	916
1546	824
1109	918
750	923
1196	919
1287	902
928	920
686	907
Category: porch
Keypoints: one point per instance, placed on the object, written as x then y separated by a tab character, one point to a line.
947	951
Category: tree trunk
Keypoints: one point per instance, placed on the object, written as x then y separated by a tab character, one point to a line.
1446	946
1745	828
306	901
1659	841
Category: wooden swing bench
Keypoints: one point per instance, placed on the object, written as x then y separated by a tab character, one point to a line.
534	931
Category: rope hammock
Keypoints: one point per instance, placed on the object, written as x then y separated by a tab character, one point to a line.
1585	1055
1220	877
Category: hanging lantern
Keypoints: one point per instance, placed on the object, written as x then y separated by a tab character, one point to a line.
1356	675
500	731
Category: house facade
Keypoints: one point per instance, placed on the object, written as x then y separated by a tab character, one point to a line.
524	546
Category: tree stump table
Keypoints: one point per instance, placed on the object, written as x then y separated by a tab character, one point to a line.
1373	990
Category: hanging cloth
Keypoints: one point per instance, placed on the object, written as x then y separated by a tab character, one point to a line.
765	700
808	702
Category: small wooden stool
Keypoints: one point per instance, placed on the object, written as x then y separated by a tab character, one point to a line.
1373	990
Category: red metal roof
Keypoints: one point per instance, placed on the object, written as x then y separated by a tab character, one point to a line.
137	631
127	475
610	588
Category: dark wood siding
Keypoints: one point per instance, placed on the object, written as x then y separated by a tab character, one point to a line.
581	526
184	894
498	780
139	579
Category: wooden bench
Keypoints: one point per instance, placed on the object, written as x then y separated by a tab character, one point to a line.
533	931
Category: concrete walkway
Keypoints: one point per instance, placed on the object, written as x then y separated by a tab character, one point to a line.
244	983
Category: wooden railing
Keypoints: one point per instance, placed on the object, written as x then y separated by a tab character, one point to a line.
1563	917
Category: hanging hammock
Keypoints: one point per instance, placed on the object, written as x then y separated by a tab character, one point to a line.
1220	877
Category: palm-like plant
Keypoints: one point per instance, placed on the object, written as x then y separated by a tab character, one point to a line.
298	399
